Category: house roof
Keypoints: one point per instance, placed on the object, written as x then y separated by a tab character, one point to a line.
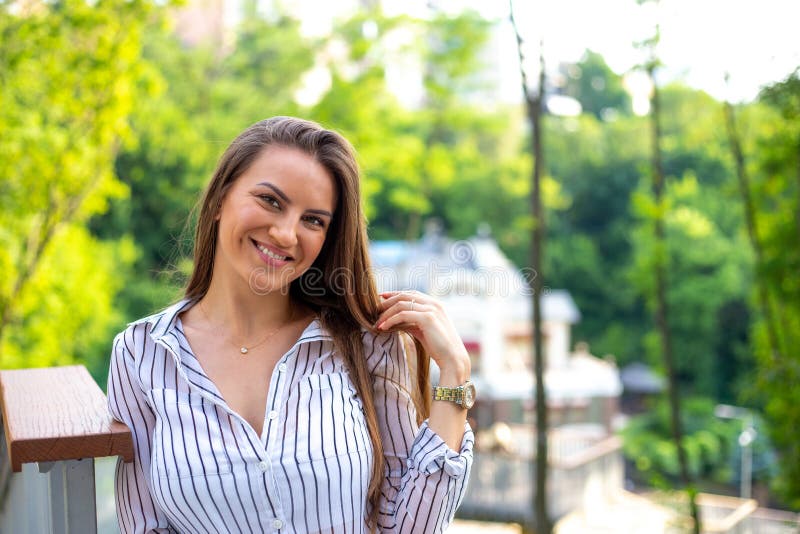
638	377
475	266
583	378
558	305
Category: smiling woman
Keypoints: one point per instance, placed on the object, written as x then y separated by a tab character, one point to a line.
274	219
277	395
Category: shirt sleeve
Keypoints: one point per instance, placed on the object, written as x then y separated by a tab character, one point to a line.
137	513
425	479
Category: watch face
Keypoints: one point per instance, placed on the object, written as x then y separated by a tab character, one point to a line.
469	395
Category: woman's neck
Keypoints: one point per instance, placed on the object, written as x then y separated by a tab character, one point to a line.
244	313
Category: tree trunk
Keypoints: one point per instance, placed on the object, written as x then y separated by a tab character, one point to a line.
752	230
662	305
540	504
534	112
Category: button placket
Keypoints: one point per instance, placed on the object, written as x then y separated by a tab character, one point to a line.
270	421
277	391
276	394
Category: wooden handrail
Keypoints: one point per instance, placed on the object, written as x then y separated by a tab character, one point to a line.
58	413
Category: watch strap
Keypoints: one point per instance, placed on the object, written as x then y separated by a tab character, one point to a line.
452	394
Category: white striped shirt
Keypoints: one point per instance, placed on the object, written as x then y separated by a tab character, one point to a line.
200	467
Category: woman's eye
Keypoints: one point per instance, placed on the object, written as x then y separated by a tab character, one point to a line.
316	221
269	199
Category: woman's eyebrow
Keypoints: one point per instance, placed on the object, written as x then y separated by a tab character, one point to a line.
321	212
277	191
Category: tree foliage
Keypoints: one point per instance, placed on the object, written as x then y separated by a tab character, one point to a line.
775	152
713	454
598	88
71	74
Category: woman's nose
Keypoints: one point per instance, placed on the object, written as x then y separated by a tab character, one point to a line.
284	234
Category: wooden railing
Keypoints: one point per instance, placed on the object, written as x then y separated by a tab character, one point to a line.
55	423
722	514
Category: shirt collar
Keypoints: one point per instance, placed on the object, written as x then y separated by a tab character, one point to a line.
165	322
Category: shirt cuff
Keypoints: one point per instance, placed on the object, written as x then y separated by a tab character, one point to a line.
430	453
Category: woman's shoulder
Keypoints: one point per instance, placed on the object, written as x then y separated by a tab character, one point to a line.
153	326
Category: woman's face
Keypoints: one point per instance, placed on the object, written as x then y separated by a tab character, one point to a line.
274	219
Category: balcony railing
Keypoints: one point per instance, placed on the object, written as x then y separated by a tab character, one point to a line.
501	484
55	423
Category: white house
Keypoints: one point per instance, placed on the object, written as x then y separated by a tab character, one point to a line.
490	301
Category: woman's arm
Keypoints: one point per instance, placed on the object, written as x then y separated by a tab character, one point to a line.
425	477
424	317
136	510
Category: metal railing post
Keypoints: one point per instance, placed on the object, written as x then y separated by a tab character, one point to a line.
71	495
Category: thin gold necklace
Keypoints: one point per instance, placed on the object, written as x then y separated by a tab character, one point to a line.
244	349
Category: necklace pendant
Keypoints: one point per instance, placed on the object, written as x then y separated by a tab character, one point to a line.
243	350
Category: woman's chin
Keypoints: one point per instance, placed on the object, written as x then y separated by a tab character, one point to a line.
265	280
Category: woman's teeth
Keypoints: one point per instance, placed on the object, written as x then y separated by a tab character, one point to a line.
271	254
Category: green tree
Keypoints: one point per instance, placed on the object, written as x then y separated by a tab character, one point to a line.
598	88
776	192
648	442
598	165
707	269
448	158
71	74
360	105
451	54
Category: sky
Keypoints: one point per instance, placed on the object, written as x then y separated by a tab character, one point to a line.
701	40
756	42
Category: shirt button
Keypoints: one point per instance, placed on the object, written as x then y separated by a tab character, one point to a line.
282	368
264	466
272	414
277	523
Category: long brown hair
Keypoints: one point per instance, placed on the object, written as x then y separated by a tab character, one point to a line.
339	286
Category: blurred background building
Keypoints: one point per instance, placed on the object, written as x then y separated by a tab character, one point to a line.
490	302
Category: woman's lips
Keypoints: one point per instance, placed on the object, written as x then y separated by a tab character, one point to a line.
271	256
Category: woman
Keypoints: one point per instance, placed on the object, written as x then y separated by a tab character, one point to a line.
277	395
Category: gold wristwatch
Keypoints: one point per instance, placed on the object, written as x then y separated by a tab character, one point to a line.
463	395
